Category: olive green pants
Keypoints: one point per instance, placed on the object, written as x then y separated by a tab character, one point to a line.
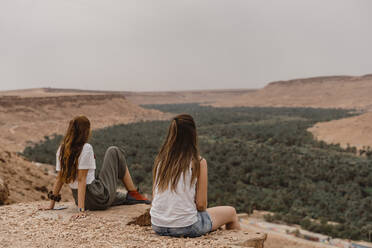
101	193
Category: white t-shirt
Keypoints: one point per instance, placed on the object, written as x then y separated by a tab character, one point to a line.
175	208
86	161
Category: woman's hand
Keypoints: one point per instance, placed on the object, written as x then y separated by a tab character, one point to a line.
82	186
79	215
56	189
51	206
43	208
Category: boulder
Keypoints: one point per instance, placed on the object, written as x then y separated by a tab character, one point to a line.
254	240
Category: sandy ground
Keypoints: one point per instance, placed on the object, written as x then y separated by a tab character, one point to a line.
23	225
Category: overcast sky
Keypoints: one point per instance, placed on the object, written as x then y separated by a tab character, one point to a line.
150	45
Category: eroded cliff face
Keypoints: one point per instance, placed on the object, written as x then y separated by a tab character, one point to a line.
24	225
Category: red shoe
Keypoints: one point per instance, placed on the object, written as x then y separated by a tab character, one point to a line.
134	197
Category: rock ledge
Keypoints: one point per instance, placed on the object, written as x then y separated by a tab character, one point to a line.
24	225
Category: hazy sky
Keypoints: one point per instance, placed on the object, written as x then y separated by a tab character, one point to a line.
180	44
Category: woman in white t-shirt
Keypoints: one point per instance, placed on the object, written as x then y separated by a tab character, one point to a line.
76	165
179	206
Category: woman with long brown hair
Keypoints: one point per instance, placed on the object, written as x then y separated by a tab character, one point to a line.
180	182
76	165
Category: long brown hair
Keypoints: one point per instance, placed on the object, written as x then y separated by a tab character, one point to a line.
77	135
179	149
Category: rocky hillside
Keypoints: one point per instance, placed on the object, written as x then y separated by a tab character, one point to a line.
26	181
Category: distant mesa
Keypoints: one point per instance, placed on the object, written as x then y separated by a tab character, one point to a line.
318	80
312	80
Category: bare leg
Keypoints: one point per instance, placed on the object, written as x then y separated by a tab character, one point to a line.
224	215
128	182
133	196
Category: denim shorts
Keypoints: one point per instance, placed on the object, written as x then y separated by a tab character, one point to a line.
199	228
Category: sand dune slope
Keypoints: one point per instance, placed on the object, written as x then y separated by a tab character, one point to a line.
355	131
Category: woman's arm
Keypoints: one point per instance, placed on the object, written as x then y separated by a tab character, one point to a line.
201	197
56	189
82	183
